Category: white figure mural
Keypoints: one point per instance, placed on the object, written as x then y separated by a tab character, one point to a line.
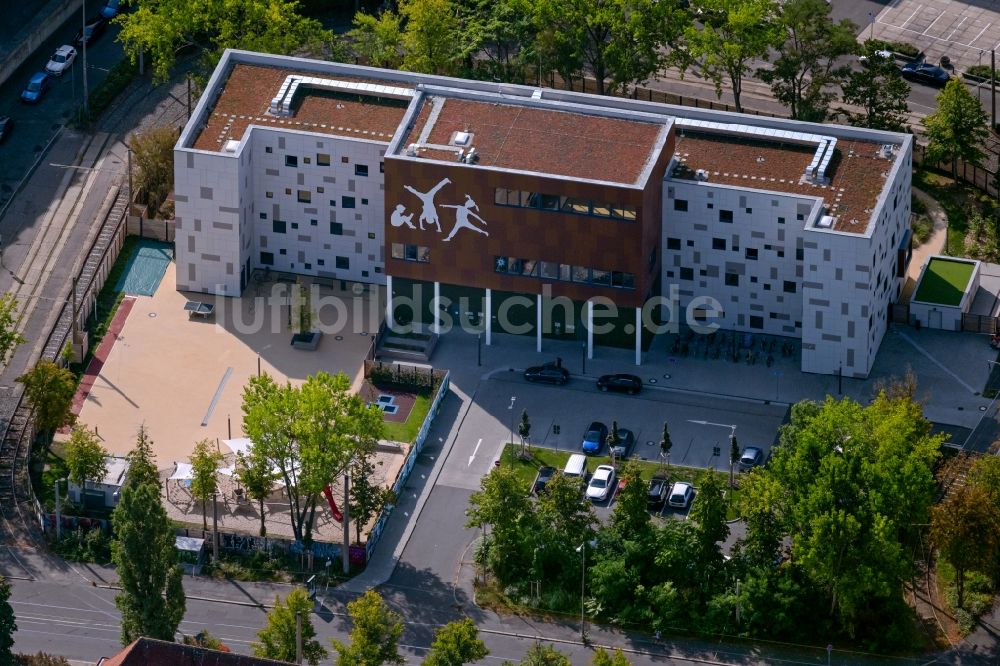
462	215
397	219
429	212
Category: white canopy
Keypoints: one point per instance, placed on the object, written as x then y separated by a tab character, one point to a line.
239	445
227	471
182	472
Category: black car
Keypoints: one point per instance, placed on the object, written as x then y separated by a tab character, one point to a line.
549	373
594	437
656	494
6	125
930	75
93	29
627	444
620	383
545	474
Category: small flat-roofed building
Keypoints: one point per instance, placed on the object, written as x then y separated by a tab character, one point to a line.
103	493
520	208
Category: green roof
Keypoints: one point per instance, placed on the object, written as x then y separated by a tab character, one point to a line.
944	281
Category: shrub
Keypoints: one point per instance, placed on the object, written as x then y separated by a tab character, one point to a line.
981	71
107	90
902	48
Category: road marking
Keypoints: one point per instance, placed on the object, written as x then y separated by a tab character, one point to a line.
474	452
932	24
935	361
903	26
215	398
980	33
955	29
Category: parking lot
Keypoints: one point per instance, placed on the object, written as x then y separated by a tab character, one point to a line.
964	31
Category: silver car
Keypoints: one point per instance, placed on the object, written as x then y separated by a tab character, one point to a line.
61	60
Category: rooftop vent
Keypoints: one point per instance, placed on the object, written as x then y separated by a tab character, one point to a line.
825	222
231	146
461	138
701	174
471	156
411	150
886	151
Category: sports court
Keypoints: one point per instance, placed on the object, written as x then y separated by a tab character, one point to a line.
965	32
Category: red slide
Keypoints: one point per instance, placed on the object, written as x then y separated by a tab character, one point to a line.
328	493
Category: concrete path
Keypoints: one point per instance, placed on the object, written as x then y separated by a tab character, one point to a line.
934	245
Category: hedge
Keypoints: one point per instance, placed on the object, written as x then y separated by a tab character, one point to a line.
981	71
107	90
902	48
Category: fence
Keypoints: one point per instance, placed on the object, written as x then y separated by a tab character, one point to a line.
404	474
161	230
246	543
979	177
979	324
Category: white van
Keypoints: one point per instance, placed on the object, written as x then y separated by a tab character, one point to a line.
576	467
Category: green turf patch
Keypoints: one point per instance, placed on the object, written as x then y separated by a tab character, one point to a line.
944	282
408	429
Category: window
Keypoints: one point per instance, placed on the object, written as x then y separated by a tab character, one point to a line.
732	280
268	149
291	161
751	253
557	203
320	190
361	170
336	228
278	226
307	160
305	196
295	225
322	159
263	216
282	252
581	274
344	159
288	190
364	202
347	202
750	212
269	195
681	205
548	270
756	321
789	287
397	251
799	254
320	262
423	253
687	273
410	252
267	258
781	220
718	243
381	167
343	263
673	243
726	216
308	266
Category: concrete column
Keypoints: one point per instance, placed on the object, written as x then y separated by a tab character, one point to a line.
489	317
638	336
388	301
590	329
538	325
436	310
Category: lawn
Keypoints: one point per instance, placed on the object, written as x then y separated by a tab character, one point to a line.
527	469
955	198
407	430
944	282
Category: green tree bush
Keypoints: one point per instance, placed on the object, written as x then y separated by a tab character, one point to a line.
277	639
50	390
455	644
374	636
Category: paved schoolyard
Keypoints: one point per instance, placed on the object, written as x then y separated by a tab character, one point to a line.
960	30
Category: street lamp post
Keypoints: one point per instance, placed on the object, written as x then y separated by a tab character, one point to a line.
510	408
582	549
732	427
871	19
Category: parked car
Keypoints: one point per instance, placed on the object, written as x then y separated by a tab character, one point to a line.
91	30
752	457
656	494
545	474
601	483
887	55
110	9
621	383
61	60
36	87
680	495
550	373
624	449
576	467
594	437
921	72
6	125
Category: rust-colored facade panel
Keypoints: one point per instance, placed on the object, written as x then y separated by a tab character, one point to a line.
467	258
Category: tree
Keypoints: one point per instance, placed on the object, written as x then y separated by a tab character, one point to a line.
524	429
256	477
614	439
277	639
205	460
367	497
86	459
665	444
141	461
375	636
153	166
542	655
506	38
965	528
50	390
806	66
616	658
734	457
204	639
880	91
455	644
630	517
378	39
41	659
309	434
502	504
733	34
709	517
9	337
8	624
957	129
161	28
151	600
433	41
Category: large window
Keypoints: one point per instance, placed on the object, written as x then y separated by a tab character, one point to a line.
561	204
361	170
550	270
419	253
278	226
267	258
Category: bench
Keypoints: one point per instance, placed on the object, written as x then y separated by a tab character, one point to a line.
199	309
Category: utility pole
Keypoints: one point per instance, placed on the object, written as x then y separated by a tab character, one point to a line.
215	526
993	87
72	339
83	19
345	555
